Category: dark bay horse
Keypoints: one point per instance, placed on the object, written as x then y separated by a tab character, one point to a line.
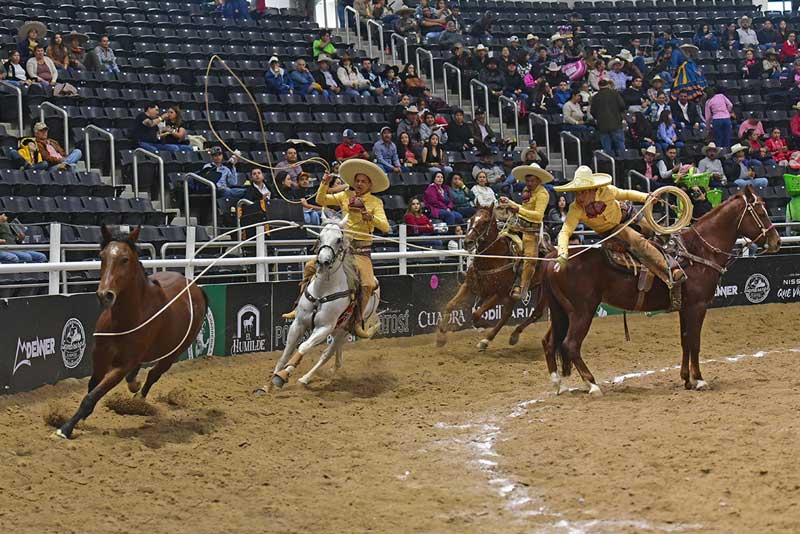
573	293
130	298
490	279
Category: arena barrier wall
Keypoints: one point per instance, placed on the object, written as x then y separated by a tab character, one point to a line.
49	338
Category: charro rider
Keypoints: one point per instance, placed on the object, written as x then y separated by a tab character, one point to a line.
529	218
601	207
365	214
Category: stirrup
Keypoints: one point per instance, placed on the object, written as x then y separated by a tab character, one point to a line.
367	329
516	292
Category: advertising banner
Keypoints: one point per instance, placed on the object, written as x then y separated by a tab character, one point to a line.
47	339
248	309
762	280
210	341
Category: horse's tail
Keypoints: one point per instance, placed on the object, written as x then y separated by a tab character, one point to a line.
559	323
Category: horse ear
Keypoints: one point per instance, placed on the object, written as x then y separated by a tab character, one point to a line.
324	217
343	222
134	235
748	190
105	232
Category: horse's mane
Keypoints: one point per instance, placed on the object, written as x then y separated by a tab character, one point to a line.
122	238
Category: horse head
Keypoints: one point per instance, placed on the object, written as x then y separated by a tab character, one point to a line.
754	223
119	265
332	242
482	227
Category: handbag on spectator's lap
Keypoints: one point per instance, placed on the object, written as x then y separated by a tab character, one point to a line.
18	229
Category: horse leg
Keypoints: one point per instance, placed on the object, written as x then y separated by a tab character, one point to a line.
155	373
317	336
694	324
549	346
111	379
686	350
514	339
460	296
508	308
477	320
578	328
329	351
292	340
130	378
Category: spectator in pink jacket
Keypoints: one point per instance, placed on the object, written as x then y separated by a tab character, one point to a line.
439	201
719	111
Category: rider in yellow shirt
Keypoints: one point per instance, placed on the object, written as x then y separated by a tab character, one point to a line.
598	205
364	214
530	214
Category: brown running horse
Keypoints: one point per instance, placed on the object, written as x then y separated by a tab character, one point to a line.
129	299
573	293
491	279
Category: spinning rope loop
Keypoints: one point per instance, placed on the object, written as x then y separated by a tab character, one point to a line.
684	206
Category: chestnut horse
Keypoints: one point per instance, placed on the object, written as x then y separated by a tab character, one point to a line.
574	292
129	299
491	279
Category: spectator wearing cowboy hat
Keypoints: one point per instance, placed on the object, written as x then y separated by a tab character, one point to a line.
747	35
712	164
348	149
410	125
771	65
325	78
480	58
30	34
740	170
224	175
531	44
557	48
515	47
629	66
553	75
351	79
276	78
77	55
52	152
617	77
405	25
650	171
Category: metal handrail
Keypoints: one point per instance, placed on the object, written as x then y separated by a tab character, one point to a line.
19	103
423	52
64	115
242	202
187	177
458	77
562	135
531	136
607	156
347	24
472	83
509	102
160	161
632	173
111	147
397	37
370	23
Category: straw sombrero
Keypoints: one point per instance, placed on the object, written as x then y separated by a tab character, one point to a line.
352	167
651	150
82	38
585	179
522	171
710	146
625	55
40	28
738	147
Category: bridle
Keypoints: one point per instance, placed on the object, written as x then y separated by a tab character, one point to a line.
483	234
338	255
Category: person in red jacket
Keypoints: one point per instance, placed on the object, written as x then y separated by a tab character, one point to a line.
789	49
794	126
777	147
419	224
349	149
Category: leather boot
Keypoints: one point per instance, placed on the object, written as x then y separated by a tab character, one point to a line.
365	329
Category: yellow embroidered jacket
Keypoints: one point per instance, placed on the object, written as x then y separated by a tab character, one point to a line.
355	223
534	209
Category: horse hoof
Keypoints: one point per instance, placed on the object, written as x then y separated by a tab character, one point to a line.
562	388
303	381
514	339
134	387
483	344
278	381
260	391
701	385
61	434
441	339
595	391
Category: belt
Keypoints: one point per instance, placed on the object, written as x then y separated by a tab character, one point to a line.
361	248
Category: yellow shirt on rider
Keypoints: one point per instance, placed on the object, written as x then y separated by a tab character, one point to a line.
355	222
602	223
533	210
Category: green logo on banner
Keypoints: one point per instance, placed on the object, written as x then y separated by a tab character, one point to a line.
211	338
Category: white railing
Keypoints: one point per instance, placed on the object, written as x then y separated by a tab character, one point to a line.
188	177
577	140
605	155
423	52
505	101
160	161
472	83
56	266
457	71
110	136
357	18
379	26
532	136
17	90
394	38
632	173
64	115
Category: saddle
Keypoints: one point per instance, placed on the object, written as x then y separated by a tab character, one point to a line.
617	256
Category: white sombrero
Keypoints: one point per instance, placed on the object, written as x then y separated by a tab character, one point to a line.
625	55
352	167
710	146
738	147
585	179
519	173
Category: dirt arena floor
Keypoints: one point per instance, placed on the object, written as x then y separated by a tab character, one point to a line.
411	438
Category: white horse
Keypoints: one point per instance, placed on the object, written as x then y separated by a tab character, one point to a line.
323	305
